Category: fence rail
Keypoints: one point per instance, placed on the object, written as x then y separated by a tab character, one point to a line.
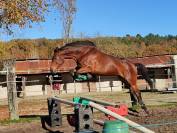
168	84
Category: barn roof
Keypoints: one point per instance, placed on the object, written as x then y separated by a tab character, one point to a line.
154	61
33	66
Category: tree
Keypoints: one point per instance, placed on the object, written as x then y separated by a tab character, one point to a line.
21	13
2	50
67	9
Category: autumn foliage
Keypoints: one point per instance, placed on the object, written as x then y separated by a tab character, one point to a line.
21	13
128	46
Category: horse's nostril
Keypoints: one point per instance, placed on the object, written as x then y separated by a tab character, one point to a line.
52	72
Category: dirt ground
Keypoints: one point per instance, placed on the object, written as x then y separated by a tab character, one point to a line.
162	118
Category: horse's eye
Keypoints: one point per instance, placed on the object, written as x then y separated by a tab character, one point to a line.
55	57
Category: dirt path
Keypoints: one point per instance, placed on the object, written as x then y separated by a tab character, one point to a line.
163	119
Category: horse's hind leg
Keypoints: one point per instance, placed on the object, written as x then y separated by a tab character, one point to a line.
137	93
131	78
134	100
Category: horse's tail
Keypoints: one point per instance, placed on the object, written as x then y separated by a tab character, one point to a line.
142	70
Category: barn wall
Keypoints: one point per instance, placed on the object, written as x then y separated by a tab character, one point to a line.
174	77
41	86
3	92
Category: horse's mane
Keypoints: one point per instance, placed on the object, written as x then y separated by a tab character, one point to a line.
76	44
81	43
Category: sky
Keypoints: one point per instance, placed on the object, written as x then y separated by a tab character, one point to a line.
108	18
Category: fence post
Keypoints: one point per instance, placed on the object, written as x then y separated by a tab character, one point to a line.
24	86
11	88
51	85
175	71
75	86
99	80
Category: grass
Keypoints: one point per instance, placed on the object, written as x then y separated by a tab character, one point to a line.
21	120
163	105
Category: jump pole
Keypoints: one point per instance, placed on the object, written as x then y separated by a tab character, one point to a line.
104	103
106	111
129	122
64	101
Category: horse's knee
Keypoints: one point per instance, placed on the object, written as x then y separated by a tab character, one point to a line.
84	70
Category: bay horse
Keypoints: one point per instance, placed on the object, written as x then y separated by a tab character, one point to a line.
89	59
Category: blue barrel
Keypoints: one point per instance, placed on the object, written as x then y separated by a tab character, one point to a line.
116	126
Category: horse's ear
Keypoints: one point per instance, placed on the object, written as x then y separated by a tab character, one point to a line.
56	49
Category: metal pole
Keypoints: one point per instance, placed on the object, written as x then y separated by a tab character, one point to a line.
64	101
131	123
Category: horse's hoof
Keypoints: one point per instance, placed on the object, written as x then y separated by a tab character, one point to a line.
147	112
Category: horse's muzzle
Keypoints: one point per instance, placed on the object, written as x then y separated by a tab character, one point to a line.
52	72
53	67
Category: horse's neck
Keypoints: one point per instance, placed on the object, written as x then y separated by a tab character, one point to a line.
76	53
85	50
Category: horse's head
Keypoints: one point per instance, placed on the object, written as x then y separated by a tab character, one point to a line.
62	60
66	57
57	60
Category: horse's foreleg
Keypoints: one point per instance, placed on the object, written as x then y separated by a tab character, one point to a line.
84	69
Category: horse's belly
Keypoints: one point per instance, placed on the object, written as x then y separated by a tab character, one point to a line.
102	64
106	73
106	68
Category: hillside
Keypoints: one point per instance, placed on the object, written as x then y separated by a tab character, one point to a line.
128	46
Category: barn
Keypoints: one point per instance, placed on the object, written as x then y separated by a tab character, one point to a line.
162	70
34	78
